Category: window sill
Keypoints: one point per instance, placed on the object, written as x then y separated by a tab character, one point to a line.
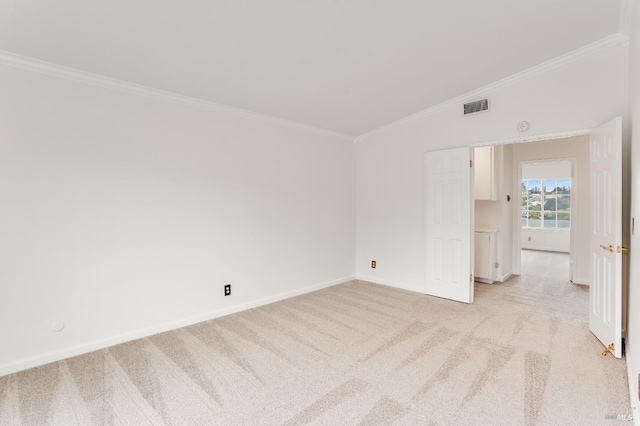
546	229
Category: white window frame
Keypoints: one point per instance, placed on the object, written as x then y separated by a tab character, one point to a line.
525	209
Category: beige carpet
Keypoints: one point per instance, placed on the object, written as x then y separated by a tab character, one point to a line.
547	264
356	353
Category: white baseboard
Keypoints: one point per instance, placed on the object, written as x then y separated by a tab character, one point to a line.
545	248
403	286
47	358
505	277
583	281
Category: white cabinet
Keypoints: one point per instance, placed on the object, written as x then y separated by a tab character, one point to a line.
487	161
485	254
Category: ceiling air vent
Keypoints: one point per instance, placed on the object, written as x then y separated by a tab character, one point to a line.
476	106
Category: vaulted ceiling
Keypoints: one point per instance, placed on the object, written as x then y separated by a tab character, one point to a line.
349	66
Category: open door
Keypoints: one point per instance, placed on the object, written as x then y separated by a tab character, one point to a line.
449	209
605	294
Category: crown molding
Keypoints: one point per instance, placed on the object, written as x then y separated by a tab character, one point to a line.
612	40
73	74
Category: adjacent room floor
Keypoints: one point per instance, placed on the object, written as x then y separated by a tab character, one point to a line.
547	264
356	353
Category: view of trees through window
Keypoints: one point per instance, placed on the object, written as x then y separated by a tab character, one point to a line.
546	203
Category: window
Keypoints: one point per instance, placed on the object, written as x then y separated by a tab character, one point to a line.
546	203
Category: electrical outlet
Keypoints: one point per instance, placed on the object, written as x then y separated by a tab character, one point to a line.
227	290
373	264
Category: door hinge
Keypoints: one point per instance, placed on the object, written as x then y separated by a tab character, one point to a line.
470	278
471	164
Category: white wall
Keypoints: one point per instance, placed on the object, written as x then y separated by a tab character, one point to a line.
579	94
633	324
546	170
124	216
546	239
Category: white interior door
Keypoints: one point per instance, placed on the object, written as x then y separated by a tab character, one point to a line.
605	294
449	209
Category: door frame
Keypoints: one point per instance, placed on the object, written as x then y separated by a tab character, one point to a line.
516	244
517	236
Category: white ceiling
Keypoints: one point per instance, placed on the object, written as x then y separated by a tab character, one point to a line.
349	66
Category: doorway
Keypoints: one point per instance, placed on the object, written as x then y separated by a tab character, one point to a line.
598	160
504	212
551	179
546	193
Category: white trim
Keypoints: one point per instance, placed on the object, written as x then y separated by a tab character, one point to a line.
516	211
545	248
612	40
68	73
535	138
581	281
150	331
505	277
396	284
